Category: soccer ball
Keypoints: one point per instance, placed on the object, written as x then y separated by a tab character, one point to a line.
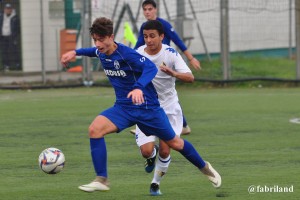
51	160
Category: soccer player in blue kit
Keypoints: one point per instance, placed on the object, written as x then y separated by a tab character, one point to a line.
150	13
136	103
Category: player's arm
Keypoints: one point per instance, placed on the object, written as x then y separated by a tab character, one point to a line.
65	59
169	31
187	77
148	70
192	60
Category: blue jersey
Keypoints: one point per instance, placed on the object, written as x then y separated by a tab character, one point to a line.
127	70
170	35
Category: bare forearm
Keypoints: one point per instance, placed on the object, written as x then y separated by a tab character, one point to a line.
192	60
185	77
188	55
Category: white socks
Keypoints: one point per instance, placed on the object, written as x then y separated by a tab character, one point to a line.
161	167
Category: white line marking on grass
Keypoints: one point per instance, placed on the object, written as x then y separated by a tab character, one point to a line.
295	120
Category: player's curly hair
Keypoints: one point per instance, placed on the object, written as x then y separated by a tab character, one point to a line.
102	26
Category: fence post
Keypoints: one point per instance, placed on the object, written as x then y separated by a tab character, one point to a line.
297	25
42	43
224	35
180	17
86	42
290	30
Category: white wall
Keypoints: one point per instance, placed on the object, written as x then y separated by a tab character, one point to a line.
31	36
254	25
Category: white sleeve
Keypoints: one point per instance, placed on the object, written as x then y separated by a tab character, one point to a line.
179	64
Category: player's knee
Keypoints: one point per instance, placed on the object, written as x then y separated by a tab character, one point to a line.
94	132
147	149
164	153
146	152
176	143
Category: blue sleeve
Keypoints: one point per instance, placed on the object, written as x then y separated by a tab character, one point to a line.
143	65
91	52
140	39
172	35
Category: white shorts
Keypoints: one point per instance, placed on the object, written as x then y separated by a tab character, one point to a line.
176	121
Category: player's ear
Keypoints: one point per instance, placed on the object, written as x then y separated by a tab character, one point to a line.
162	36
112	36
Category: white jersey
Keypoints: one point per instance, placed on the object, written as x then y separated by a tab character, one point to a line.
164	83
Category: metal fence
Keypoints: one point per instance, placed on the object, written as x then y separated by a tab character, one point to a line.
213	30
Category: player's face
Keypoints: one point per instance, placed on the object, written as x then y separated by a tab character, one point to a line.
149	12
105	44
153	40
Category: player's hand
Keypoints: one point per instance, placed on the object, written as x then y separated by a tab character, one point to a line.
167	70
65	58
137	96
195	63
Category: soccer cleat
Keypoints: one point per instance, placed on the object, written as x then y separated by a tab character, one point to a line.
216	180
132	131
94	186
186	130
154	190
150	162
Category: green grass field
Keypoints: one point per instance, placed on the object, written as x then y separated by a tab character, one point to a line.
244	133
249	67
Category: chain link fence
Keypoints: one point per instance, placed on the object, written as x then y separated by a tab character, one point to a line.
230	37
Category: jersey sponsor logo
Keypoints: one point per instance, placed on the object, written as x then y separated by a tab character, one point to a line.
116	64
142	59
171	50
108	60
109	72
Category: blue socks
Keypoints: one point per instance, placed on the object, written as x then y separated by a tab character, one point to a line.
99	156
190	153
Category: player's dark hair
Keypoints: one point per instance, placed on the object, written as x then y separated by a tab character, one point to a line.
154	25
147	2
102	26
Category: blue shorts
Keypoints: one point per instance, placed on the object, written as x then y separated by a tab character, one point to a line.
152	121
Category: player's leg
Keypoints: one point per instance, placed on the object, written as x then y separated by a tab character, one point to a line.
98	128
151	152
161	168
109	121
164	158
147	148
190	153
184	122
185	128
161	127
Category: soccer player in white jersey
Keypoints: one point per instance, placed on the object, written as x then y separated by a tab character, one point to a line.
150	13
170	66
